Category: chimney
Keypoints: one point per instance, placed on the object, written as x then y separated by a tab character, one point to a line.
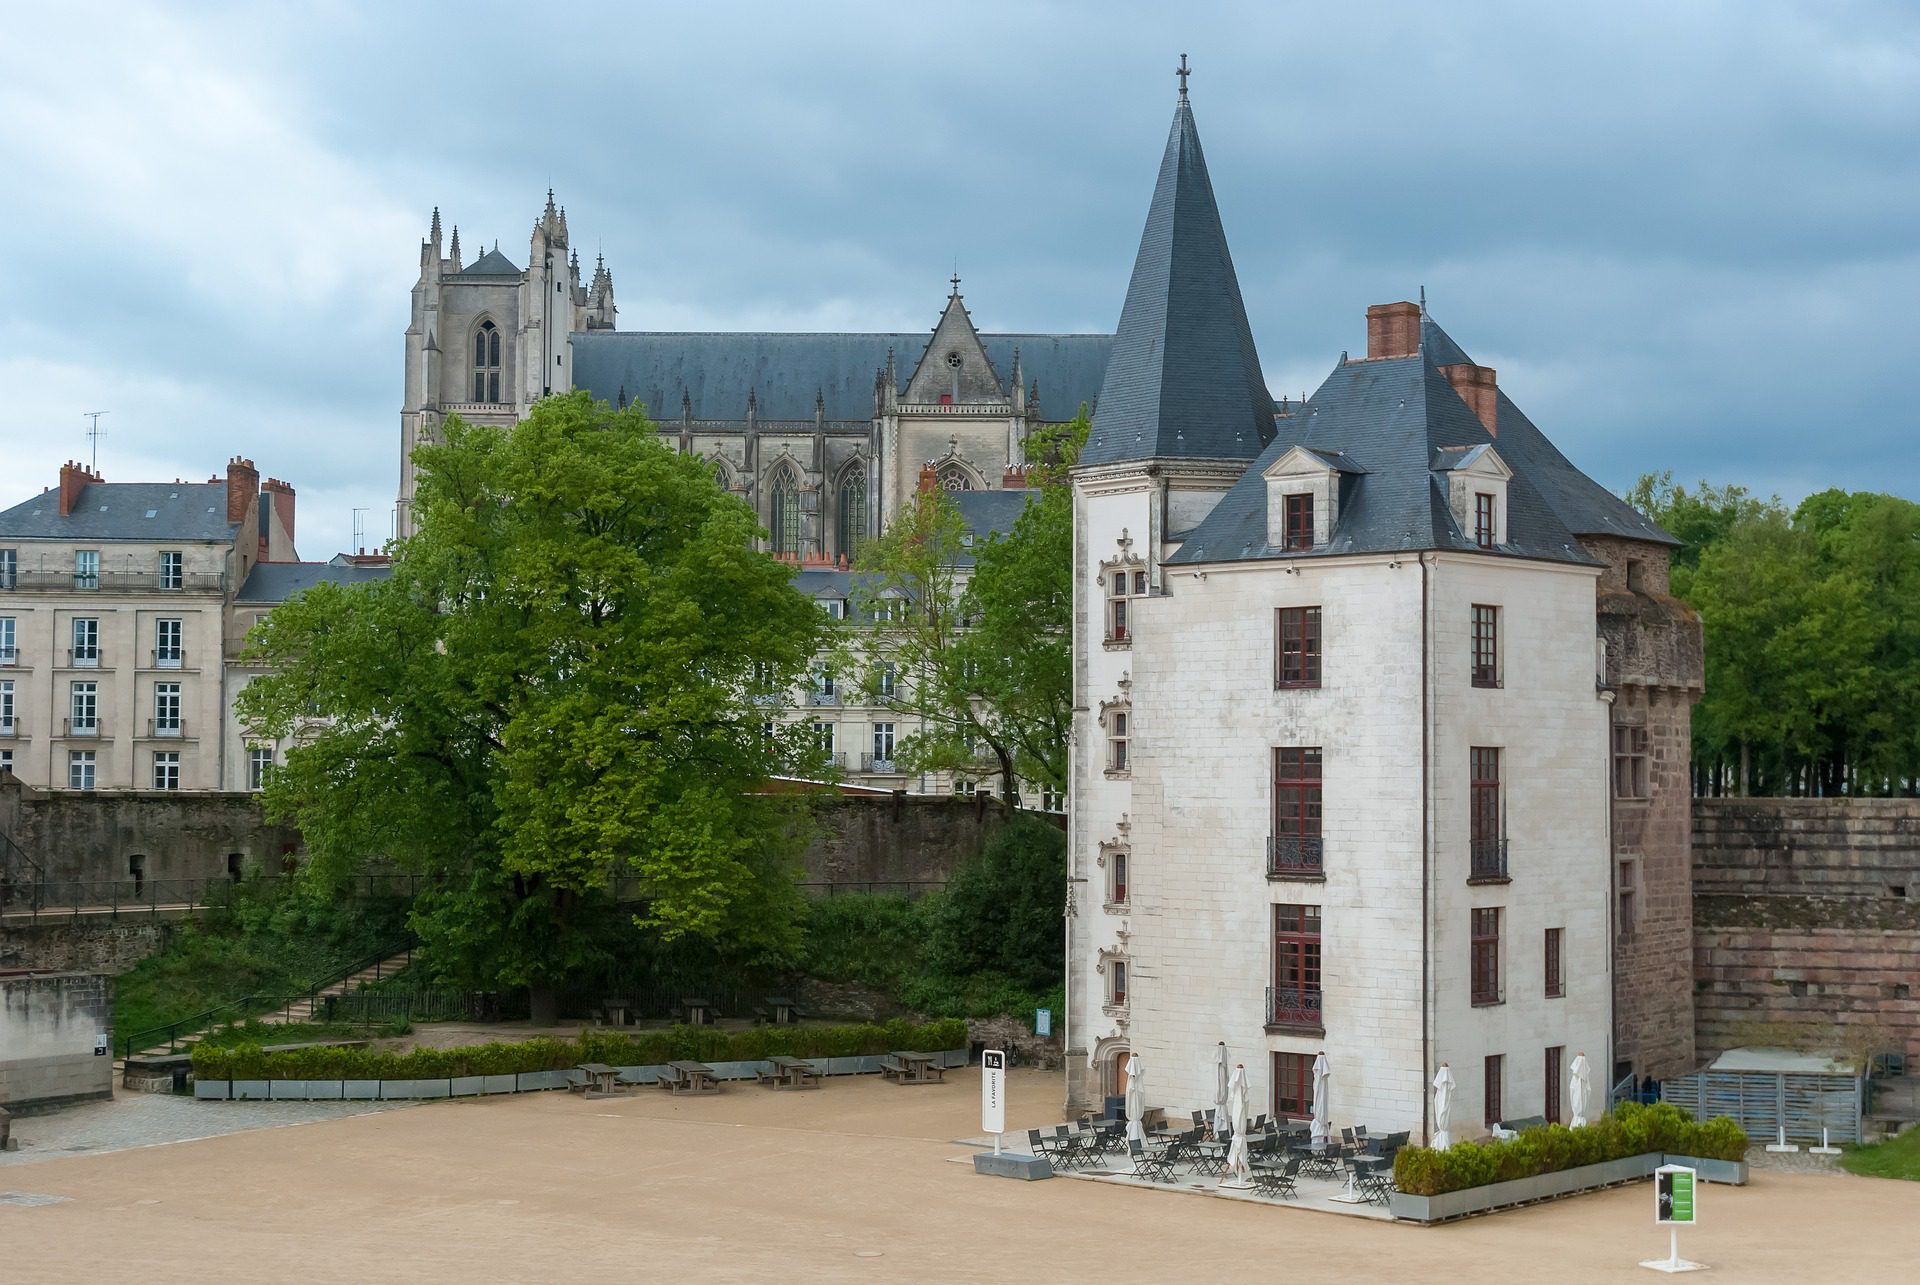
280	495
1393	330
1015	478
929	479
74	478
243	484
1477	389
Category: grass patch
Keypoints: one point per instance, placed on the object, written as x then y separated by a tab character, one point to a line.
1897	1157
266	1035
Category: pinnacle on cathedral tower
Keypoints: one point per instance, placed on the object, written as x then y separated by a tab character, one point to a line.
1184	379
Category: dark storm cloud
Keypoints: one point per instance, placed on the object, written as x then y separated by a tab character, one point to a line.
1684	234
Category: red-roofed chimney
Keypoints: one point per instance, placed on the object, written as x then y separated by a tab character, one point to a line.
1015	478
1393	330
929	479
280	495
74	478
243	484
1477	389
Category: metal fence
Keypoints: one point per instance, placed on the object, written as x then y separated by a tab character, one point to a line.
34	900
1764	1102
909	888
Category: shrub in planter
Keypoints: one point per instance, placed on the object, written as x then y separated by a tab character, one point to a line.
1631	1131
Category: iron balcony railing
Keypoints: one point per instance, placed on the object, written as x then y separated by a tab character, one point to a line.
113	581
83	658
875	763
817	697
81	726
9	728
9	655
1488	859
1294	854
167	728
175	658
1293	1006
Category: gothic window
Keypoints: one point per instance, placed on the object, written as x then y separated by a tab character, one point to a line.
786	516
853	511
486	363
954	478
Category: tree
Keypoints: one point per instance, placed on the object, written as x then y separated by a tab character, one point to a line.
553	709
970	636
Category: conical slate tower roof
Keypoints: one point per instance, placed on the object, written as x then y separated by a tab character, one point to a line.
1184	380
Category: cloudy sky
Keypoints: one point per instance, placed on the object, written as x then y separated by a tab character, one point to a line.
1687	235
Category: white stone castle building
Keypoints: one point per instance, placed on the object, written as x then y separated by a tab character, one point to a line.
1340	774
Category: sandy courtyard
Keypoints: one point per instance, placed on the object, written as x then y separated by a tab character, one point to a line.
858	1181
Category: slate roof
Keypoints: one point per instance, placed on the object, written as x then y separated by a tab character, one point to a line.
1398	418
1185	380
279	581
784	371
491	264
185	511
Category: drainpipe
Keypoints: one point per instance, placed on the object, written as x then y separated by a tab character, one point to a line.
1426	861
1607	698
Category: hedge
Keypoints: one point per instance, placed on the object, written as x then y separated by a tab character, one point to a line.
699	1043
1632	1130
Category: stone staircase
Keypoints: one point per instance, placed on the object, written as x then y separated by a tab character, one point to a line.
313	1008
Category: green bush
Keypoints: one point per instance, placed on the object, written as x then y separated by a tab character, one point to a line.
1631	1130
650	1048
1004	911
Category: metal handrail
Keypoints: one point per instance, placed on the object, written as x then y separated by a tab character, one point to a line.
1487	859
1295	854
1294	1006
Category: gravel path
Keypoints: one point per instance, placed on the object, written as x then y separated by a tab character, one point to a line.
155	1119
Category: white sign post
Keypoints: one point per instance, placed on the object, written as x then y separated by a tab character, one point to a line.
993	1095
1675	1205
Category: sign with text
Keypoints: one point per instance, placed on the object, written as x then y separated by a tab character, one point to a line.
993	1092
100	1046
1043	1021
1673	1195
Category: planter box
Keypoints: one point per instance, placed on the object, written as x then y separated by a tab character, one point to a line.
1505	1195
323	1090
252	1090
213	1090
360	1090
287	1090
467	1086
1731	1172
499	1084
953	1059
534	1081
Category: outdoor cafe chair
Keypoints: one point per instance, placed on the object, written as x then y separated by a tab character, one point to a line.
1277	1180
1153	1166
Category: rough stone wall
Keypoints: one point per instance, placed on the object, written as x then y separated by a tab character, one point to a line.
90	946
1807	923
90	836
903	840
1655	664
49	1025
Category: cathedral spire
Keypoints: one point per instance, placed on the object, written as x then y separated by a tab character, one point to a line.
453	251
1184	379
434	233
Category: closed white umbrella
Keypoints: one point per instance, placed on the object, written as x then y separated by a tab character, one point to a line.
1136	1101
1579	1084
1239	1170
1442	1107
1220	1116
1320	1113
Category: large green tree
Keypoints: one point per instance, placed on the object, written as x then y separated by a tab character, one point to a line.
969	634
555	707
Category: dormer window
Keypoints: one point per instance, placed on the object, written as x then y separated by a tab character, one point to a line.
1483	511
1476	479
1299	522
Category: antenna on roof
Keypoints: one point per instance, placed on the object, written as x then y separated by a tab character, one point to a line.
359	531
94	434
1423	301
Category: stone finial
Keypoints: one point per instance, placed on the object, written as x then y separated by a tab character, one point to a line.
434	232
453	251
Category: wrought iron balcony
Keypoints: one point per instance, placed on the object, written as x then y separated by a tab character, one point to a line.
173	658
1294	1006
83	658
167	728
818	697
1488	859
1294	855
82	726
874	763
9	656
38	581
9	728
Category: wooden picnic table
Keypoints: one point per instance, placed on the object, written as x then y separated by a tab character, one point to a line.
904	1067
688	1077
699	1012
603	1080
782	1009
791	1073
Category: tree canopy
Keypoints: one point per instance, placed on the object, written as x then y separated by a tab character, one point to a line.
1812	622
555	707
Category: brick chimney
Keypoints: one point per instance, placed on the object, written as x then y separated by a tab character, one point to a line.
1393	330
1477	389
1015	478
74	478
280	495
929	479
243	484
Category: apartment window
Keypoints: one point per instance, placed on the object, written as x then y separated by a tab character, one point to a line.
823	737
1293	1085
1486	956
882	743
1630	746
9	568
1117	737
486	363
1117	862
1116	982
1297	649
1488	851
83	710
1052	800
6	708
1483	519
1296	810
166	709
889	675
9	638
823	688
86	568
86	642
167	650
1496	1071
1556	984
1299	521
80	770
1628	919
6	760
172	569
889	610
166	770
1555	1056
836	608
1123	586
1295	999
1486	646
259	762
